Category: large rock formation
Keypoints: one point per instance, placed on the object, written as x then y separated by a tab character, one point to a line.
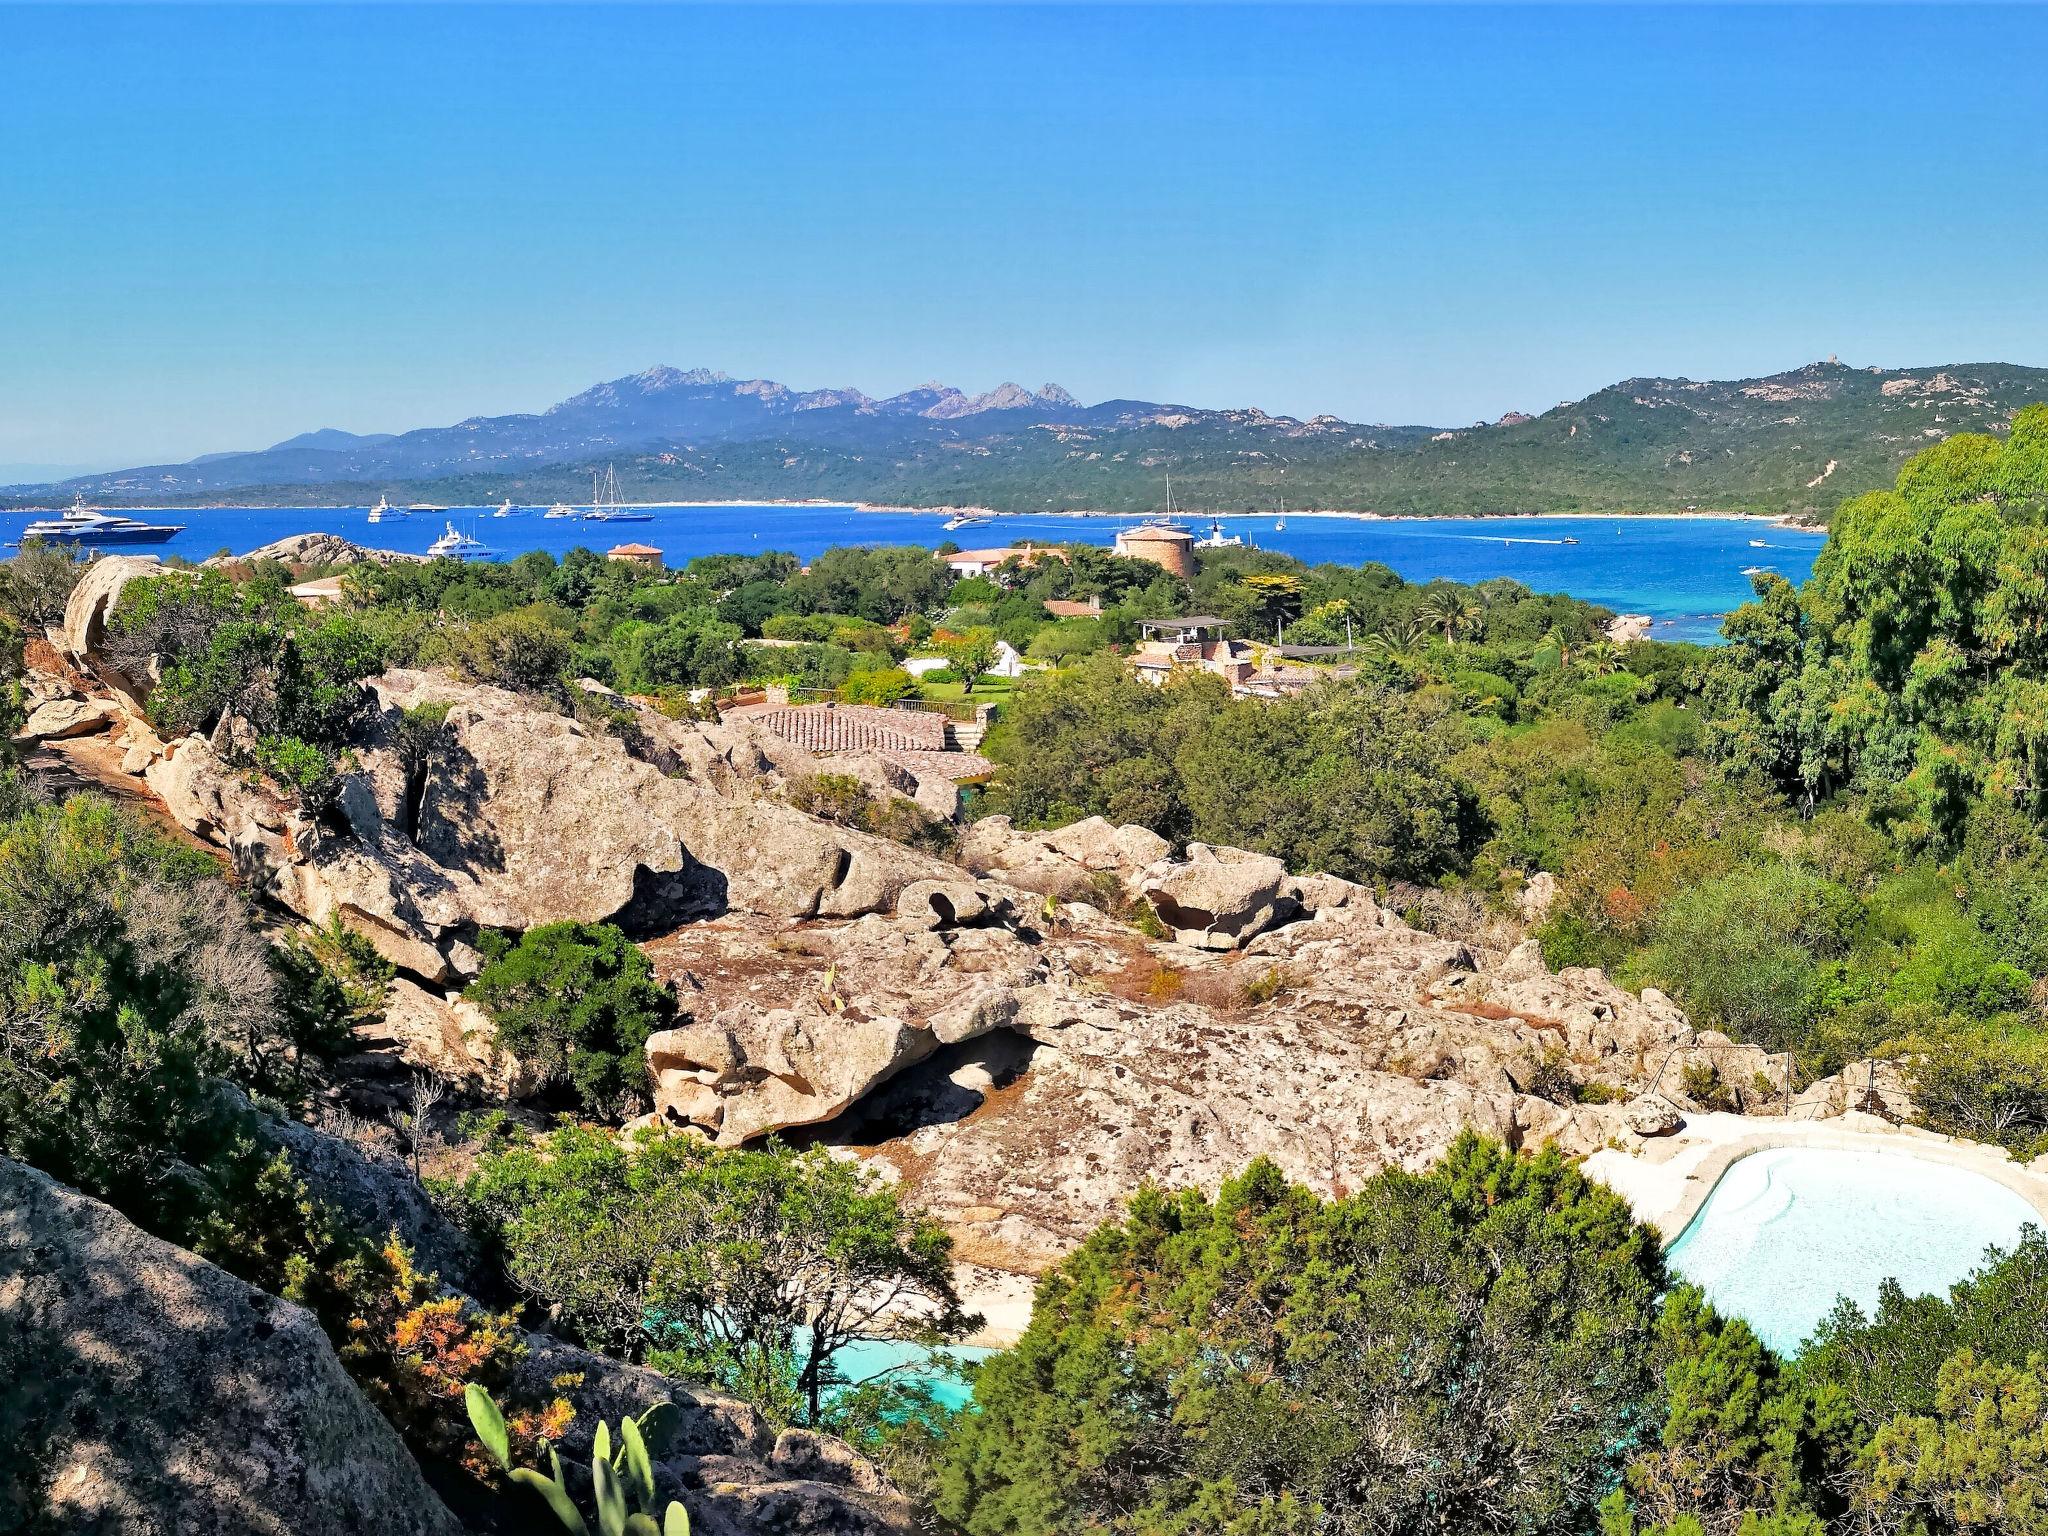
1070	1063
1217	898
328	549
82	637
151	1394
516	816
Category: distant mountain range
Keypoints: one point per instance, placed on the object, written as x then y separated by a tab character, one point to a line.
1797	442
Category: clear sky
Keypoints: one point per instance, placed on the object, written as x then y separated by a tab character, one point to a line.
220	227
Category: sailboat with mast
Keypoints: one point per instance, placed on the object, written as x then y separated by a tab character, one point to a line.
606	505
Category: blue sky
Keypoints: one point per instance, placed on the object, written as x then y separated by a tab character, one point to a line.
219	227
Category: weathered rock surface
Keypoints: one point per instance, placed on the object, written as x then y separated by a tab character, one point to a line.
1071	863
522	817
155	1395
449	1037
315	549
60	719
1075	1064
735	1474
82	636
1216	898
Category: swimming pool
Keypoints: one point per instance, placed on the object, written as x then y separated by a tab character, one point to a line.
866	1359
1787	1230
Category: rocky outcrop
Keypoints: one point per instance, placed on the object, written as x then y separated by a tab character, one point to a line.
1026	1075
1217	898
518	816
733	1471
155	1395
82	636
1074	863
448	1036
325	549
61	718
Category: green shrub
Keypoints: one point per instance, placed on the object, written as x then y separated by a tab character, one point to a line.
1269	1361
752	1269
577	1002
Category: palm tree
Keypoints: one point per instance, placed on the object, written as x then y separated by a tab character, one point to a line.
1454	610
1397	640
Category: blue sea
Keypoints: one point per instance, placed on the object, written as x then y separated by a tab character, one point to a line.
1685	572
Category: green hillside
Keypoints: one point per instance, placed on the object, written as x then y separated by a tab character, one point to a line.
1796	443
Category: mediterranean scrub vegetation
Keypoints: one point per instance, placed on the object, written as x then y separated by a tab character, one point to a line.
1491	1346
748	1269
1825	836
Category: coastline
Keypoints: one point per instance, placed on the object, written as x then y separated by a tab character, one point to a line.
1782	521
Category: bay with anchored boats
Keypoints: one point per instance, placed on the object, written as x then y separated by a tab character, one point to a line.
1685	572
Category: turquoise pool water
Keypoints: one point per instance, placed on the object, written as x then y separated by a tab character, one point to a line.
868	1358
1786	1231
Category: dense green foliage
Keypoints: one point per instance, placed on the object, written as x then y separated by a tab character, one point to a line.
247	650
576	1002
1351	781
1493	1346
1463	1350
751	1269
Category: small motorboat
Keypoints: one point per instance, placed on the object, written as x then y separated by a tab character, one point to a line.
1567	539
1758	544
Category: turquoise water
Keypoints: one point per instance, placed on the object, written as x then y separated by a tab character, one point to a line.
1686	572
866	1359
1788	1230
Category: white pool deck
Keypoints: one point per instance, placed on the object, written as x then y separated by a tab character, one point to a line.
1668	1181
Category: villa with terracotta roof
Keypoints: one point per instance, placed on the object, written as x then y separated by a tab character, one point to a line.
980	562
635	554
1068	608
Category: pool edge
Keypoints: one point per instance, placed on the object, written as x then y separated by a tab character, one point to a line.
1973	1157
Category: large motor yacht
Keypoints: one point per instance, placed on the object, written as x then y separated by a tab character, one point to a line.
89	525
455	545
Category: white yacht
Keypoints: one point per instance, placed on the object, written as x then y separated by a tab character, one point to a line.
454	545
961	520
561	509
384	511
89	525
505	509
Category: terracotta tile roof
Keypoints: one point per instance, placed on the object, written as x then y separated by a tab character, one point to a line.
952	765
1067	608
632	549
829	728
